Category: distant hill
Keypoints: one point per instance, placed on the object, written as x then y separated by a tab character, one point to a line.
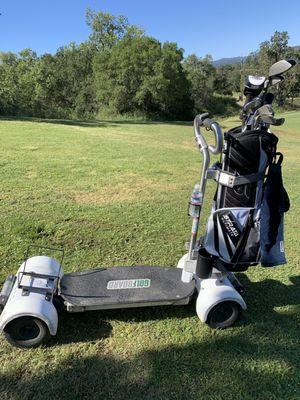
228	61
235	60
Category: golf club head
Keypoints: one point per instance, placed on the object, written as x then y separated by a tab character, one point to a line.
255	82
280	67
266	109
274	80
279	121
271	120
266	115
253	86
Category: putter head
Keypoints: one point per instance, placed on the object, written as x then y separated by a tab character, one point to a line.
266	109
266	115
271	120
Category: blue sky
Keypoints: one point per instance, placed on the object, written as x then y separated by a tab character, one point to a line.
220	28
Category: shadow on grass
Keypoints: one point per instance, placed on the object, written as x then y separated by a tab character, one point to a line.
80	327
71	122
260	361
94	325
94	123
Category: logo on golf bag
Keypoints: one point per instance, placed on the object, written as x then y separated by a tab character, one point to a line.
129	284
229	226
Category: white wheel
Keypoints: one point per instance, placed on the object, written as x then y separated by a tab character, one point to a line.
223	315
26	332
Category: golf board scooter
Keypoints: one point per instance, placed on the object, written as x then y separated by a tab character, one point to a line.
29	299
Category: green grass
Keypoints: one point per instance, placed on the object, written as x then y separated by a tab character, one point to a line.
114	194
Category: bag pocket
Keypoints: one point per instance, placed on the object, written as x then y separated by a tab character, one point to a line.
232	235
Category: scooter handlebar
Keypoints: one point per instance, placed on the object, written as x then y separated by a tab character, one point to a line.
204	120
215	127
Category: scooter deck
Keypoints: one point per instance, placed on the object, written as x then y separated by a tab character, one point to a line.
124	287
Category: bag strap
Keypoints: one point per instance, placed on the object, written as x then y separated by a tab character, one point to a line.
244	237
230	180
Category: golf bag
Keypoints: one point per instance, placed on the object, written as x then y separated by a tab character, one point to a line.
246	220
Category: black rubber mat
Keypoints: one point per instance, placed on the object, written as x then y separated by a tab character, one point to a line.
122	285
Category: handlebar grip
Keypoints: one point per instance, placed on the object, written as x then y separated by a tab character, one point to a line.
201	117
207	123
203	120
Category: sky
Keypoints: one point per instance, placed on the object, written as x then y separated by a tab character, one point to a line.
225	28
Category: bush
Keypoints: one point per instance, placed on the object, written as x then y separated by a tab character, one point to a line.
223	105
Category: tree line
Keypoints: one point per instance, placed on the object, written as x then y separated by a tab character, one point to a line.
119	70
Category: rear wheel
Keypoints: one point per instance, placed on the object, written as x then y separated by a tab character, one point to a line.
223	315
26	332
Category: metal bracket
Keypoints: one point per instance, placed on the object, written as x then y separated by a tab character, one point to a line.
230	180
190	266
52	280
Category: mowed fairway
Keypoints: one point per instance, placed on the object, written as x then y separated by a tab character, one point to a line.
116	194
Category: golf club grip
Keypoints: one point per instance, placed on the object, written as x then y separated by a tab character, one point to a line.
269	97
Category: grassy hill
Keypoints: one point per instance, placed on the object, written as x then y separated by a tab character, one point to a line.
114	194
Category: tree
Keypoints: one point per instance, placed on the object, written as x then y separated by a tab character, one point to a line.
169	86
64	83
276	48
291	87
75	69
121	69
120	74
108	29
8	83
224	80
17	82
139	75
201	75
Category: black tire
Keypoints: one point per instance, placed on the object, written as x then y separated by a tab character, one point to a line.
223	315
26	332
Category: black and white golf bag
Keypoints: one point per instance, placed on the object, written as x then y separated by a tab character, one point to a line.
246	222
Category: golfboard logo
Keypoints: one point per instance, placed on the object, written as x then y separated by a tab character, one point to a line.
129	284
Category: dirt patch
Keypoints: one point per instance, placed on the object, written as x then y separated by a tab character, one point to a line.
30	148
31	174
5	196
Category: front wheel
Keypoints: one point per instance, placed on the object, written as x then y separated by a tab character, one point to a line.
223	315
26	332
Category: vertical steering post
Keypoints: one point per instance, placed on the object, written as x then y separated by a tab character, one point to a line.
205	149
199	190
